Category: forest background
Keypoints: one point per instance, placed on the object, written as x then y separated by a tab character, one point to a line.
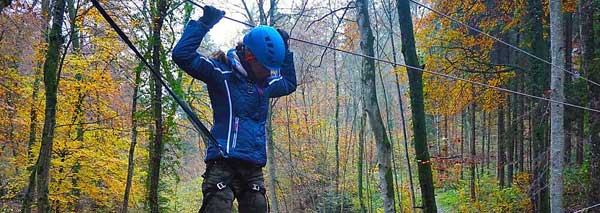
84	126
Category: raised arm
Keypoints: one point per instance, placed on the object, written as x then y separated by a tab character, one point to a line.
284	82
185	55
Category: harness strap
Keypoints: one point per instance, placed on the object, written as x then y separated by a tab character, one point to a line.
210	192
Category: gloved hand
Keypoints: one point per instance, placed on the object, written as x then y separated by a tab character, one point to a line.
286	38
211	16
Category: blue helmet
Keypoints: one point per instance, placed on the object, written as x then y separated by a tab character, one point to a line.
267	45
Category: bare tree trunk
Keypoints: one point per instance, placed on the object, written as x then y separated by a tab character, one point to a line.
372	107
361	151
579	149
463	137
51	80
588	11
401	106
337	126
538	83
27	199
510	140
417	106
31	188
483	157
569	112
271	161
489	143
557	132
436	119
78	115
501	141
159	8
521	126
134	132
33	118
473	154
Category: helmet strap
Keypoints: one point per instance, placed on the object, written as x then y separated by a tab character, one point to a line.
245	57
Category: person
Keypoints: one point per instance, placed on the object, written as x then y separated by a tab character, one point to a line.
240	83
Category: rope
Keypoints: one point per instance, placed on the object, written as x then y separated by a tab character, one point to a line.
587	208
191	115
573	73
412	68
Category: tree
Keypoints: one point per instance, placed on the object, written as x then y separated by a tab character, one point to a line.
51	80
472	151
271	159
589	37
28	198
537	83
500	147
417	106
134	137
371	106
158	12
361	151
557	133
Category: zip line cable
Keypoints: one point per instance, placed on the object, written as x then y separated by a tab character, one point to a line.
573	73
587	208
424	70
191	115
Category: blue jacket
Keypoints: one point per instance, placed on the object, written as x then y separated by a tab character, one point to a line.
239	105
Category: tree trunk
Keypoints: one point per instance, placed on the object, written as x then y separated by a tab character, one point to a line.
521	125
590	67
134	132
538	81
501	141
401	106
291	160
51	80
436	119
361	151
463	137
510	140
483	158
27	199
569	112
417	106
33	119
489	143
31	188
337	125
405	143
557	132
78	115
271	162
473	154
372	107
579	149
159	8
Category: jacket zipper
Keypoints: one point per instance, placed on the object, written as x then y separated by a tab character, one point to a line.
235	130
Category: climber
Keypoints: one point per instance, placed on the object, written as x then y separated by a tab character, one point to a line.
240	83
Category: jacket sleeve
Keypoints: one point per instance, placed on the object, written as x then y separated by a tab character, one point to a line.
285	82
189	60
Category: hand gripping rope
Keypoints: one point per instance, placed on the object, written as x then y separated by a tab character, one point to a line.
191	115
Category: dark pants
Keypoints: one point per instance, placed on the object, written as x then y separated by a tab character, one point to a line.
225	180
